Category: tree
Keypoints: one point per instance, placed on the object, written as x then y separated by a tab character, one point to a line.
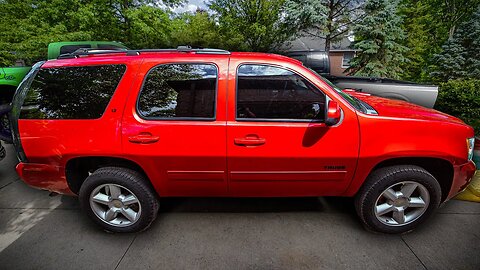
149	27
324	19
460	56
453	12
28	26
422	38
197	30
428	25
377	37
251	25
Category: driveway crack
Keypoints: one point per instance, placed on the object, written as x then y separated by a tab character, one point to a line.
128	248
6	185
424	266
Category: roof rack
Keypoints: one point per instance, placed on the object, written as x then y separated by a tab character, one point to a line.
186	49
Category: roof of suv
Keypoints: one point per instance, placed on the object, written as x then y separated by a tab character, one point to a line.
126	55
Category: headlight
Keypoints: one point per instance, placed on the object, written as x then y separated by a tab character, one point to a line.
470	146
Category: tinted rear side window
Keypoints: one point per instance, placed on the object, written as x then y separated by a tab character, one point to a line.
71	92
176	91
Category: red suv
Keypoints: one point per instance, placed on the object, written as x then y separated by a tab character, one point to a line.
121	129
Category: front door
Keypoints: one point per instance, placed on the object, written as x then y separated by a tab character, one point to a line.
174	125
277	142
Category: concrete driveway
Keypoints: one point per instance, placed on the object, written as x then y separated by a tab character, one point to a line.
42	232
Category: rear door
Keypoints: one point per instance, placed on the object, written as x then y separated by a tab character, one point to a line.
277	141
175	126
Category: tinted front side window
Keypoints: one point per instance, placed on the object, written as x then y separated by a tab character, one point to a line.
71	92
269	93
179	91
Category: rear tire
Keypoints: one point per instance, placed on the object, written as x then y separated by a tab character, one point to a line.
119	200
397	199
5	132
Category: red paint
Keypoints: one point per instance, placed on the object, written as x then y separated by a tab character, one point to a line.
333	110
226	157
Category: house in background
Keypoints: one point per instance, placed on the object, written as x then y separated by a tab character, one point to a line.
311	51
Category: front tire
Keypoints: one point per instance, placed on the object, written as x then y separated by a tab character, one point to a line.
397	199
119	200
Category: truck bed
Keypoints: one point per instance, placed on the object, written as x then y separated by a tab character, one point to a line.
423	95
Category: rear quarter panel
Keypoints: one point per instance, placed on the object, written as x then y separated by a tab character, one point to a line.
56	141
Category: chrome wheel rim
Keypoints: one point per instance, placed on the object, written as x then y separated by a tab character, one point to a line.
402	203
115	205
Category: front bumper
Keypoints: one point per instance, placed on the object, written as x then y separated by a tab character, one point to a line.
44	176
462	176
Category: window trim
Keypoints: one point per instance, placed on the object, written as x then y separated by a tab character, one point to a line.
343	57
77	119
278	120
203	119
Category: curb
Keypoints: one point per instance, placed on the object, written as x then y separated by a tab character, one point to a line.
472	192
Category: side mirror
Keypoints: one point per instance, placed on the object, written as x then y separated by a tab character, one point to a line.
333	113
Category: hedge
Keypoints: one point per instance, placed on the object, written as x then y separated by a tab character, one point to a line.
461	98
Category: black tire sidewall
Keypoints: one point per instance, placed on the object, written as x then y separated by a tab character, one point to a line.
383	179
5	132
146	198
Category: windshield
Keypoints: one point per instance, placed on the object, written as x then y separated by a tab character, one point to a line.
355	102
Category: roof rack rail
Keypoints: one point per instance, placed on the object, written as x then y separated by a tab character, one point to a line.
92	51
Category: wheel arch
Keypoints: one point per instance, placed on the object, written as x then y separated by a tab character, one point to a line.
6	93
78	169
441	169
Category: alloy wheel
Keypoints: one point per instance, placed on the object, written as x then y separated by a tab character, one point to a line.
115	205
402	203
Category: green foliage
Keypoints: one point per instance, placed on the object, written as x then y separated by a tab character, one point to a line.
461	98
460	56
149	27
252	25
327	19
305	14
197	30
421	39
428	25
28	26
377	37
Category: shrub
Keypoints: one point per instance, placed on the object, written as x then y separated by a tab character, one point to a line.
461	98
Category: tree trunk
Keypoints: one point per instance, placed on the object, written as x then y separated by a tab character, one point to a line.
329	26
327	43
451	31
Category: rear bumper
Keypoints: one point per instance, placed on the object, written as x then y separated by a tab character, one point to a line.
462	176
44	176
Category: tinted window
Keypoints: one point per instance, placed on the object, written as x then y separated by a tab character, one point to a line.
267	92
72	48
179	91
71	92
